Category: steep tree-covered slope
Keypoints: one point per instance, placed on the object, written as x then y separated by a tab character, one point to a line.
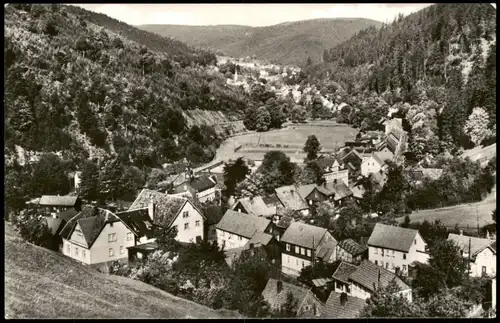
86	84
443	56
286	43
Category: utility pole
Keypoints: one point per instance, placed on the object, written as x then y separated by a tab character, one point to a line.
312	260
477	220
468	262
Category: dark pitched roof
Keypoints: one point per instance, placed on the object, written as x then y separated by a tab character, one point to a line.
271	295
284	222
56	200
91	220
392	237
367	273
213	217
305	190
138	221
166	207
339	189
57	224
302	234
271	200
290	198
351	309
325	162
476	244
351	246
202	183
260	238
242	224
256	206
343	272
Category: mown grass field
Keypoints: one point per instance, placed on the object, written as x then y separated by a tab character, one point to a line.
40	283
291	140
463	215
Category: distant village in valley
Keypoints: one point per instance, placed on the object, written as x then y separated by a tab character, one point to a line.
288	195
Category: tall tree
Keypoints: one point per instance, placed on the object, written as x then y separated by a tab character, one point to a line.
89	186
263	119
312	147
445	258
49	176
476	126
234	173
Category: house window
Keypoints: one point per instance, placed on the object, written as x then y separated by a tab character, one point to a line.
307	308
339	285
386	265
376	251
303	251
122	250
76	251
415	241
185	214
197	223
111	224
297	249
483	270
111	252
186	226
287	247
347	289
83	253
302	264
404	256
308	252
240	238
129	236
112	237
393	254
376	262
174	227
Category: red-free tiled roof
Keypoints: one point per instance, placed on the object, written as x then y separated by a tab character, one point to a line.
351	247
392	237
242	224
351	309
56	200
343	272
367	275
290	198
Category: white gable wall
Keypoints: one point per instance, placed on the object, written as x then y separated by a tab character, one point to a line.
100	249
485	258
194	222
370	165
230	240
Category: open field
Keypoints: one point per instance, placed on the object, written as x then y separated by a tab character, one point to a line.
482	154
329	134
464	215
40	283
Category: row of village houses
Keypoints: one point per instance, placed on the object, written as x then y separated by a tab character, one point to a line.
276	225
93	235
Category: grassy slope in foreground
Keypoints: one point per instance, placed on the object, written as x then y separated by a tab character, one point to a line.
40	283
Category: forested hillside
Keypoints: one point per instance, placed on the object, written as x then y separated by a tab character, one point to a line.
286	43
434	66
91	86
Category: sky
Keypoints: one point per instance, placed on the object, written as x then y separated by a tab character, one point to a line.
255	15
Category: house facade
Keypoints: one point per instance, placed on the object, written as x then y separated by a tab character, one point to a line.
350	251
395	248
375	163
170	211
276	291
482	256
303	244
361	281
202	188
96	236
236	229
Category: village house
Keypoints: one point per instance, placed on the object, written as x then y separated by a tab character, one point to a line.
57	203
212	218
376	162
480	252
336	192
395	248
276	291
343	306
261	244
417	174
333	169
141	224
281	226
202	188
96	236
170	211
305	243
361	281
57	221
255	206
236	229
350	251
291	199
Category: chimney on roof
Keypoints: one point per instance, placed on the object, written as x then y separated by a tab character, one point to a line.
251	246
279	286
151	209
343	299
292	191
